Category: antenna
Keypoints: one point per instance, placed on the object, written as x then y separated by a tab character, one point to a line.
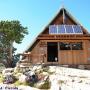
63	16
62	6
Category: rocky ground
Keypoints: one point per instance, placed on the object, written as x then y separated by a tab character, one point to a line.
69	79
60	78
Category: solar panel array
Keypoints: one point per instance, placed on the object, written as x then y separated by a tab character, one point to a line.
53	29
61	29
65	29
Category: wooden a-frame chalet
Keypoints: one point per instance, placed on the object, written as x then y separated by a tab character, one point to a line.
64	41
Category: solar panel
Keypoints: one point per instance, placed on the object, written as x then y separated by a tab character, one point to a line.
65	29
69	29
61	29
52	29
77	29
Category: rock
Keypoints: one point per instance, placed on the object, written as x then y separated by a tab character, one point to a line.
39	84
32	77
7	74
52	69
18	75
22	78
43	85
41	77
81	67
32	73
8	70
39	67
29	73
45	73
16	69
9	79
46	78
26	88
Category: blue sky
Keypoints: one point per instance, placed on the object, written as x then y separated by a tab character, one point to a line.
36	14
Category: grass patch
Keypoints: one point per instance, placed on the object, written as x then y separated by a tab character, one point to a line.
18	83
46	85
61	82
1	78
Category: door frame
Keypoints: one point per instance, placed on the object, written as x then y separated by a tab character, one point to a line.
53	53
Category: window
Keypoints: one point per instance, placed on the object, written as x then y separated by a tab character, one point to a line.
64	46
70	46
77	46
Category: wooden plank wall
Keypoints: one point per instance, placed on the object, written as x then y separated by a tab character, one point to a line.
87	50
39	53
64	56
71	57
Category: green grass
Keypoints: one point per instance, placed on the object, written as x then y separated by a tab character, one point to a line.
61	82
1	78
46	85
18	83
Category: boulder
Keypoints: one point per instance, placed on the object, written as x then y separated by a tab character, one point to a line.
16	69
45	73
22	78
8	70
46	78
43	85
81	67
21	87
8	79
31	73
31	77
39	67
17	75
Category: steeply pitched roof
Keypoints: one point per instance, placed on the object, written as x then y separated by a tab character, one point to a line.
58	13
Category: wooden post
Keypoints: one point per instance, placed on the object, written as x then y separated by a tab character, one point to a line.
58	53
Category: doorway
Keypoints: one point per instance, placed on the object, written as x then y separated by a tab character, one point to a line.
52	52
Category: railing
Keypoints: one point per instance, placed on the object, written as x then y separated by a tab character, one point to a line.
30	57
